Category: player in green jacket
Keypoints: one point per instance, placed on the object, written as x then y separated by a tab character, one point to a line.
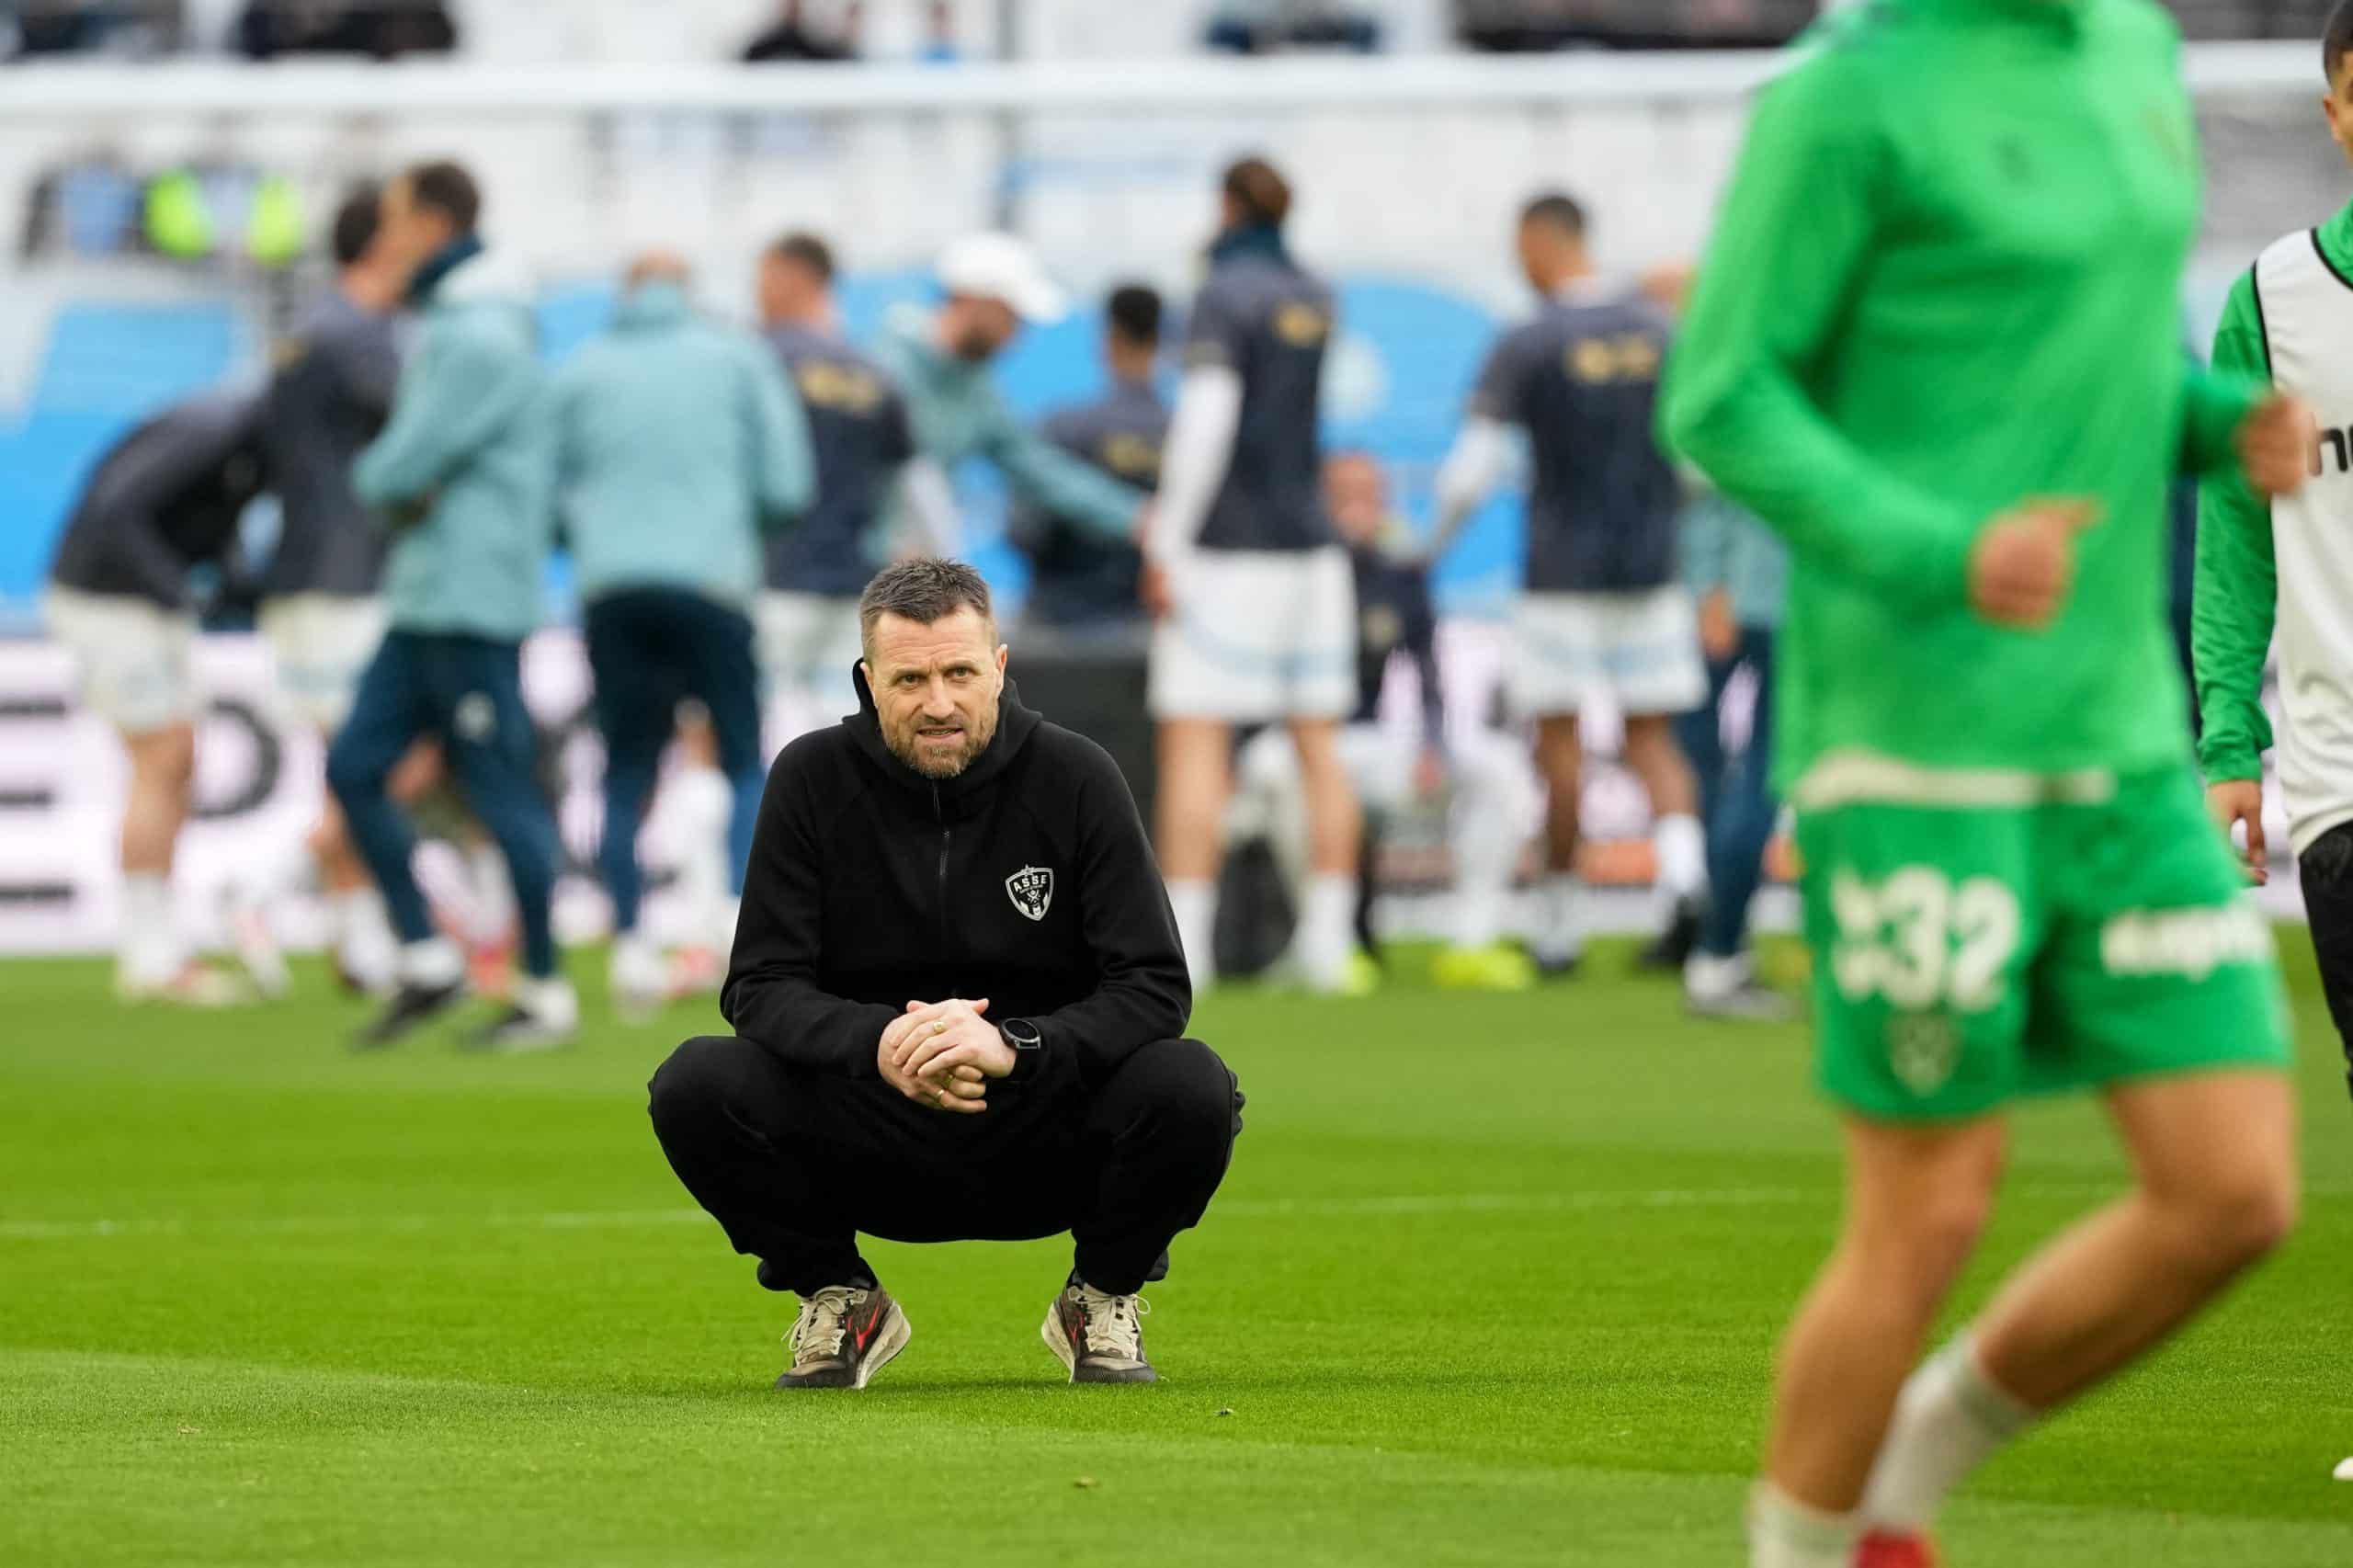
1936	347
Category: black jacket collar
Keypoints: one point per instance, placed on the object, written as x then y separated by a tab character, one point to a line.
959	796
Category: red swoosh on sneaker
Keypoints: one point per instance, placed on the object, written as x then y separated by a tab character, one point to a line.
1883	1550
873	1322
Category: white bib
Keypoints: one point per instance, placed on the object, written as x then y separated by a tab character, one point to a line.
2306	309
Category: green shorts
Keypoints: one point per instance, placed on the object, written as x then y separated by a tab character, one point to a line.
1982	937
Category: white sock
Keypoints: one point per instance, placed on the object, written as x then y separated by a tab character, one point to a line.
435	961
1785	1533
1682	849
1950	1420
149	950
490	920
1560	920
364	939
1328	928
1487	843
1195	901
702	798
1478	915
637	964
704	802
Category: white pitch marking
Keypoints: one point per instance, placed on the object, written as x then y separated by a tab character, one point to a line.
1393	1204
631	1219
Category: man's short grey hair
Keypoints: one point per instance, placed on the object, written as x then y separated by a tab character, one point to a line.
922	590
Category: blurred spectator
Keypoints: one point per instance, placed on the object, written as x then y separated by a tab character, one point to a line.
809	629
1262	26
464	476
940	46
381	31
1519	25
1477	779
680	444
942	360
321	613
34	27
791	37
1739	570
1082	577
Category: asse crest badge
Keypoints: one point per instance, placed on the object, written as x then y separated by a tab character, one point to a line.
1032	889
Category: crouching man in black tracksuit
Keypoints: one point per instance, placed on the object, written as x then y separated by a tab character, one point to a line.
959	1002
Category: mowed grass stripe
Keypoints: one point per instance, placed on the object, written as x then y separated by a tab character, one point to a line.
213	1462
1496	1280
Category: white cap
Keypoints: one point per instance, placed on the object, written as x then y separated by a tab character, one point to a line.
998	266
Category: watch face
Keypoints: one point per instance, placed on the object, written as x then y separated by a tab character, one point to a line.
1022	1034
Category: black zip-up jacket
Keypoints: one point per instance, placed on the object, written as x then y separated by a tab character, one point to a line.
1027	879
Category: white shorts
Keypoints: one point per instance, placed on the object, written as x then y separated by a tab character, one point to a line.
322	644
130	657
1643	648
1256	636
808	644
1488	770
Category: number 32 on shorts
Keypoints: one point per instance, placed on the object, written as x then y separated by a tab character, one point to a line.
1919	940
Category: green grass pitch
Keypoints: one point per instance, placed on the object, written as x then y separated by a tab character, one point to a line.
1494	1281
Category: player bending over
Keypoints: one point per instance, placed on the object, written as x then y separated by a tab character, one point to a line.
164	500
1937	349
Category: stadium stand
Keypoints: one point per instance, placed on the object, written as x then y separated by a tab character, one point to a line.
576	186
544	31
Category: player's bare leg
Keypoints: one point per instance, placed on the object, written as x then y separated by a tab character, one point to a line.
1560	922
152	963
1917	1200
1327	946
2215	1190
2214	1158
1195	774
163	767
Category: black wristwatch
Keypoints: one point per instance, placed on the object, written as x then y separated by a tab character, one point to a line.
1026	1042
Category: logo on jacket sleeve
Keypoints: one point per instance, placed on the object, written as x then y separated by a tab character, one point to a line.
1032	889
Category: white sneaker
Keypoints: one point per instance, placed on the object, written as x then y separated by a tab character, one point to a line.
256	947
432	964
1356	974
1728	988
544	1016
1098	1336
367	954
639	978
191	985
368	968
696	972
845	1334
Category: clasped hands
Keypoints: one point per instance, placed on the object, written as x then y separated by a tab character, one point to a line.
942	1055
